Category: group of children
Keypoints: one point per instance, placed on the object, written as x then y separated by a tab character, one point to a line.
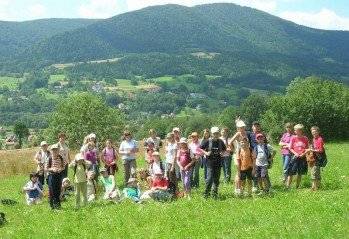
250	152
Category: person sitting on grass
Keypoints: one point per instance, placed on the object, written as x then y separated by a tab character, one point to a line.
185	163
264	159
67	189
159	188
33	190
111	191
132	191
91	186
246	167
80	166
320	157
299	146
156	166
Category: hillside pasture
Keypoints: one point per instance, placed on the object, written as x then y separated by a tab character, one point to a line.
11	82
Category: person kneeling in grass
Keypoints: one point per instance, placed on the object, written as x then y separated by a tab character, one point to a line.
246	167
111	191
79	166
33	190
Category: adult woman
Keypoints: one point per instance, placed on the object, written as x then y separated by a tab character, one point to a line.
64	152
205	137
285	152
196	152
54	167
128	149
299	146
171	154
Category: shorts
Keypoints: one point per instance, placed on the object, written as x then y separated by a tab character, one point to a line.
262	171
297	166
246	174
315	172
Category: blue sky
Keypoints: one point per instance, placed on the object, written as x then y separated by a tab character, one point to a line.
323	14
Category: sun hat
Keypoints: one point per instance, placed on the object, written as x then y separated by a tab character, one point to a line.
240	124
43	143
176	129
132	180
54	146
79	157
183	141
92	135
155	153
298	126
214	130
259	136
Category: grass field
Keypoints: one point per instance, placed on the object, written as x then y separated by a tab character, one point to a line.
294	214
56	78
11	82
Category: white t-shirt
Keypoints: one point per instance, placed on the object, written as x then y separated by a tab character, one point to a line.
170	152
262	159
126	147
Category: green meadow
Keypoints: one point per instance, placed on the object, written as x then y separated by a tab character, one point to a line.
284	214
10	82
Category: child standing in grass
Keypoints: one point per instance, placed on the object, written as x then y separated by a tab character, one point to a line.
80	166
91	186
92	157
111	191
299	145
246	167
320	156
185	164
171	154
285	151
109	158
33	190
264	156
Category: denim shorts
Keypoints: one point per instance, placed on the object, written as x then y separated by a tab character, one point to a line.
298	166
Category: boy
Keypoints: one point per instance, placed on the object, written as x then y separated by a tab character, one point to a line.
111	192
246	167
213	149
79	166
320	157
264	159
33	190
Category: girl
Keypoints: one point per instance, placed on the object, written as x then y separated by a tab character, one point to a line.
299	145
320	155
132	190
111	191
128	149
185	164
109	158
197	154
92	156
33	190
285	152
205	138
171	154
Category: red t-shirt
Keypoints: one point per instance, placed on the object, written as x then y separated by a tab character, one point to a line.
318	144
299	144
159	183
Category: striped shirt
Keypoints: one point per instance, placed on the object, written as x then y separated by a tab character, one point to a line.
55	165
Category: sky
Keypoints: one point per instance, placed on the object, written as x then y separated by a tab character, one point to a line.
322	14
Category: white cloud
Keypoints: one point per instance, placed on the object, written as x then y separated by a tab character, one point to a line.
264	5
99	8
324	19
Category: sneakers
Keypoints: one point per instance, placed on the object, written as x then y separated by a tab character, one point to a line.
237	192
254	190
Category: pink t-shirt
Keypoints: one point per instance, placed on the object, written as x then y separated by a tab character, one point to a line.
195	148
286	139
109	155
184	157
91	155
299	144
318	144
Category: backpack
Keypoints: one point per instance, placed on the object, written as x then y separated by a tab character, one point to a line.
84	165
